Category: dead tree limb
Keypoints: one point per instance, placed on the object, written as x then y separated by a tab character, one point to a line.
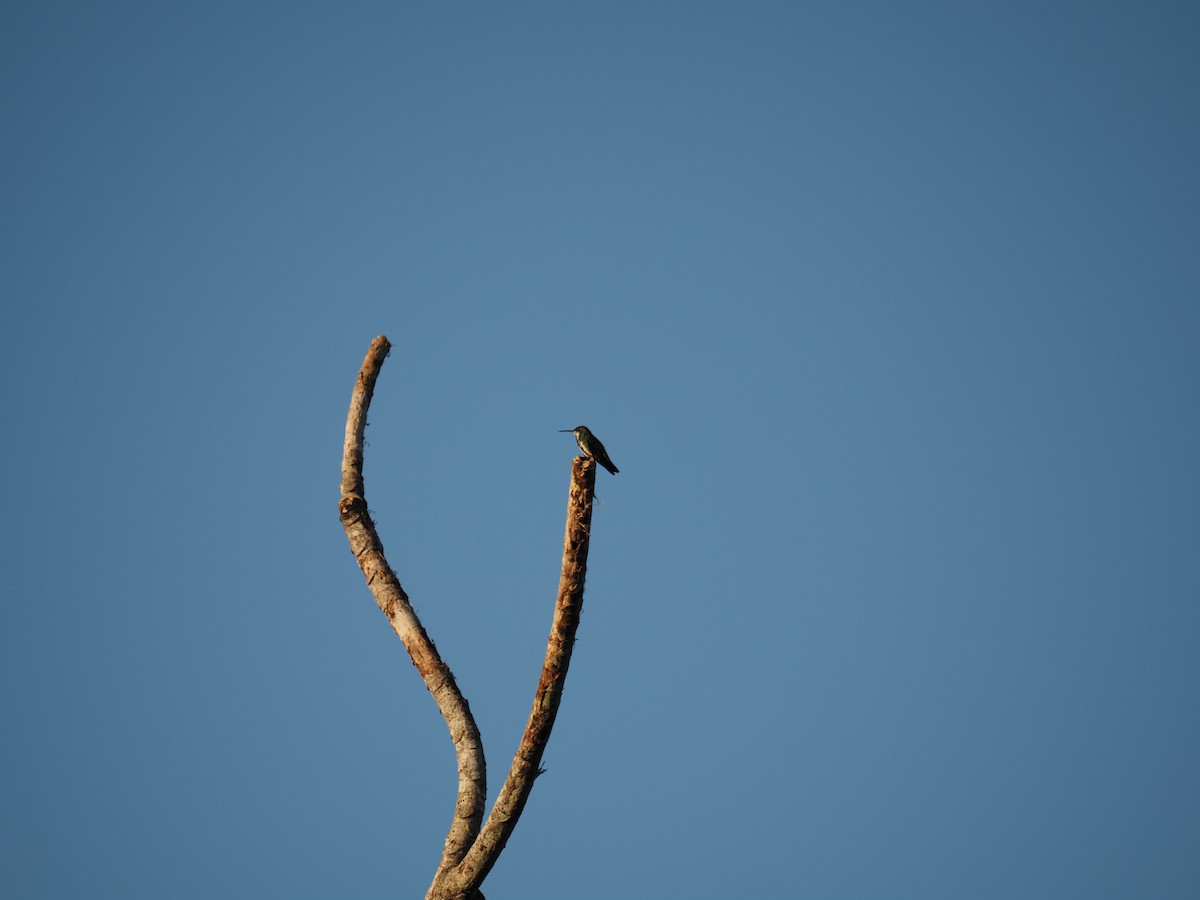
470	851
466	877
393	601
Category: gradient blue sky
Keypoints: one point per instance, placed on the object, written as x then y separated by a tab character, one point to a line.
888	312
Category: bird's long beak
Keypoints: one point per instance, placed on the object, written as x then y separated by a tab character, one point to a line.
561	430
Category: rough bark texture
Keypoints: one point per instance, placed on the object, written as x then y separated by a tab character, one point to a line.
465	878
470	851
390	596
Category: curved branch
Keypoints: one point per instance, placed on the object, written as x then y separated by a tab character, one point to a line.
463	880
390	596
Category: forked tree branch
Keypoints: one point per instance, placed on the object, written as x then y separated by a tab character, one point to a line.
469	852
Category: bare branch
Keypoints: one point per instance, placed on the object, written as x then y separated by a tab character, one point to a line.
470	851
463	881
393	601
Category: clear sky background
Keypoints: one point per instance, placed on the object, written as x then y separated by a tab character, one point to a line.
888	312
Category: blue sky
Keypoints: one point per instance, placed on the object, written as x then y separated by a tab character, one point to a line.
887	312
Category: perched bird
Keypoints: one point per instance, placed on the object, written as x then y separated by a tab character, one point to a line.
591	447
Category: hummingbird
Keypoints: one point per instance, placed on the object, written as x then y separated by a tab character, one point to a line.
591	447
